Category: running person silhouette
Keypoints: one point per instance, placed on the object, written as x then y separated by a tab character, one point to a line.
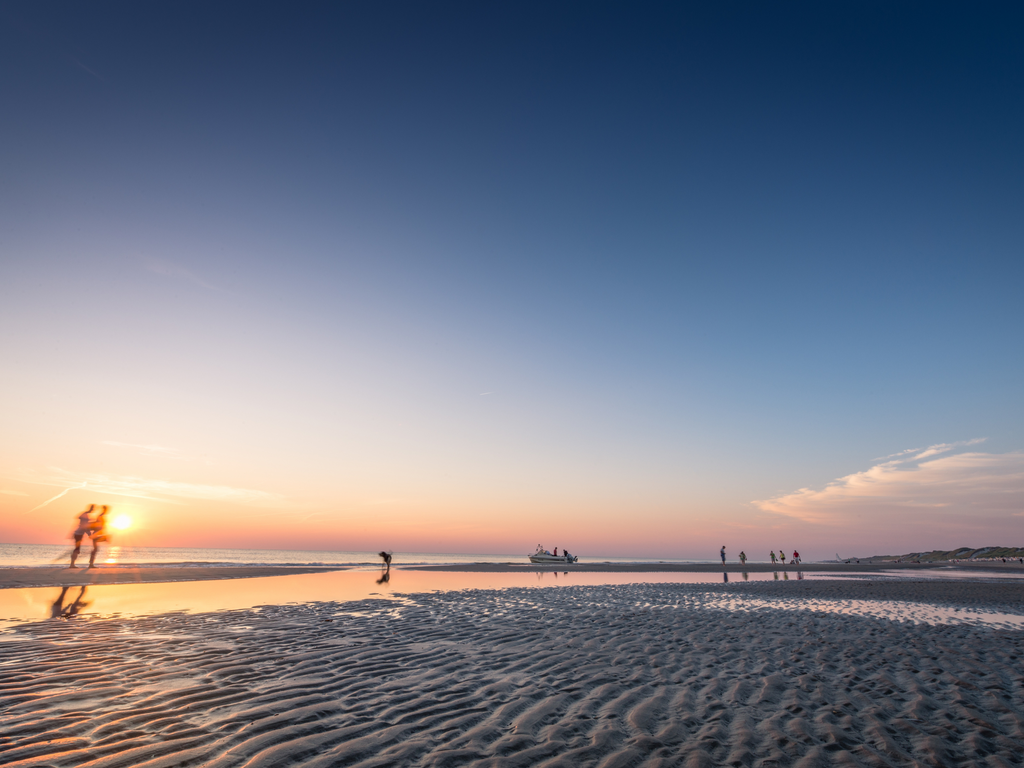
98	533
84	527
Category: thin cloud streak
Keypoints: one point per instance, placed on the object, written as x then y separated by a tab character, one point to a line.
965	485
165	491
146	448
59	495
168	269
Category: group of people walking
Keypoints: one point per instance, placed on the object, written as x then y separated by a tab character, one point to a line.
780	559
93	527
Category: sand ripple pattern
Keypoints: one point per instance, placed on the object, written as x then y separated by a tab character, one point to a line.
606	676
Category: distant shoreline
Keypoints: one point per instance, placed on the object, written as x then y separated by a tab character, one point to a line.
706	567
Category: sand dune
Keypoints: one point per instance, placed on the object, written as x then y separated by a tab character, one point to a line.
651	675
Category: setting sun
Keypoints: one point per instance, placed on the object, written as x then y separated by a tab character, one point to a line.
121	522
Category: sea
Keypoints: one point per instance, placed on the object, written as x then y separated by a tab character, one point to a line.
41	555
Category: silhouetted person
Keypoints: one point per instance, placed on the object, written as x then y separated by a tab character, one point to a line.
722	553
84	527
98	533
385	567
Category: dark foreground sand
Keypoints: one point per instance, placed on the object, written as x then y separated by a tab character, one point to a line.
638	675
11	578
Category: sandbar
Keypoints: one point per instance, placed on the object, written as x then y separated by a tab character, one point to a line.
12	578
670	567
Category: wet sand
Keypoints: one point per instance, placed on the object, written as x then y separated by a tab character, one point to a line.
745	674
12	578
152	573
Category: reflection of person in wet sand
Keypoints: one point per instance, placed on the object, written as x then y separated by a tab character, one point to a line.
98	533
84	526
60	611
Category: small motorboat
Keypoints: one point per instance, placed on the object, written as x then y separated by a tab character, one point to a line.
543	556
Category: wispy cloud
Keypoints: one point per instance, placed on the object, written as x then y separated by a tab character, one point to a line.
59	495
916	485
166	491
169	269
146	449
80	65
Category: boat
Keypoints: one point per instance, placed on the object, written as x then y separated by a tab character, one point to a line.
543	556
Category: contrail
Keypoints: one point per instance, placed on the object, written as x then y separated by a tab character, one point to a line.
72	488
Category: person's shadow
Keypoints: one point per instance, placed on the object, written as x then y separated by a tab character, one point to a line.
60	611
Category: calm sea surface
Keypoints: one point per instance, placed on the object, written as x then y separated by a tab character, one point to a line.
27	555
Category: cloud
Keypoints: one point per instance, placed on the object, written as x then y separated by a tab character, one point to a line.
54	498
168	269
946	447
13	493
79	64
166	491
919	486
147	449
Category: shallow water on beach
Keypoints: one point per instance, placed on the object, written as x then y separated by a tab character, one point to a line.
130	600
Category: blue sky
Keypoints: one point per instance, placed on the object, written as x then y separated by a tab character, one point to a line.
696	256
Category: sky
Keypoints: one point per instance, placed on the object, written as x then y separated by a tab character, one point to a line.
636	279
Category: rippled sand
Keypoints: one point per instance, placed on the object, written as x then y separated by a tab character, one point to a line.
651	674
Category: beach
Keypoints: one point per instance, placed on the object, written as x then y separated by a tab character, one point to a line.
147	573
14	578
747	674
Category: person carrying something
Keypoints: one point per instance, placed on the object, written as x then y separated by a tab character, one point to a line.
84	526
772	553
